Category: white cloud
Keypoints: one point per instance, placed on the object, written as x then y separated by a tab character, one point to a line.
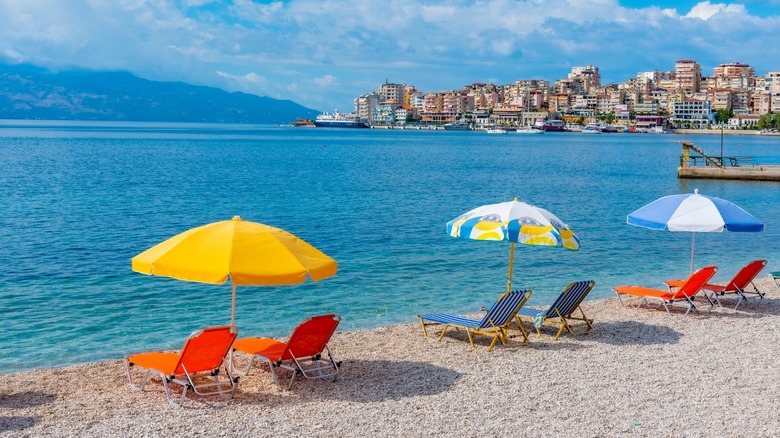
326	81
705	10
247	81
314	53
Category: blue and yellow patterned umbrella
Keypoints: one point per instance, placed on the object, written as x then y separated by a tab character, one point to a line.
516	222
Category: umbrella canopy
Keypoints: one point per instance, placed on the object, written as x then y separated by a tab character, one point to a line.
516	222
694	213
249	253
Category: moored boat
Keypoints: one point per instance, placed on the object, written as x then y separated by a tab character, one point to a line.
458	125
550	125
592	128
496	131
339	120
529	130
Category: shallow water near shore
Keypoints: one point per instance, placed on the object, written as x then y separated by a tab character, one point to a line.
80	199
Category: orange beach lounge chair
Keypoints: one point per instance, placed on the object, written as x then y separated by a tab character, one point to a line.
684	293
201	358
738	285
307	343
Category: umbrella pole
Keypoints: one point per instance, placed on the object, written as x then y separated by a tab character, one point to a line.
693	246
233	308
511	267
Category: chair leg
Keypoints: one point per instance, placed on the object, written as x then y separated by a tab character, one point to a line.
691	306
422	323
741	297
443	331
620	300
471	339
496	337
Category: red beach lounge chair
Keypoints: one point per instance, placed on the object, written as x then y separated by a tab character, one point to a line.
307	342
201	358
738	285
684	293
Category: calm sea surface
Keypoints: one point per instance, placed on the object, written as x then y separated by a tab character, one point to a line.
78	200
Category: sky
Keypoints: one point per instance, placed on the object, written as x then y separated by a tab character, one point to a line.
324	53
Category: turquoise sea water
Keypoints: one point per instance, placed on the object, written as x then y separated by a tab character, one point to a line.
78	200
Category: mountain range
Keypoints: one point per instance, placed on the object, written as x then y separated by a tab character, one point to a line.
29	92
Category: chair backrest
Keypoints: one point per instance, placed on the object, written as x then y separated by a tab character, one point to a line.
570	298
694	283
505	308
205	349
745	275
311	336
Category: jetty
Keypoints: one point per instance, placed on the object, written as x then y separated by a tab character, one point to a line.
695	164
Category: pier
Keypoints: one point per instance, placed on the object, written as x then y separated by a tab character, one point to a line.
695	164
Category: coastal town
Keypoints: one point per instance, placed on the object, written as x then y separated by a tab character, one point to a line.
733	97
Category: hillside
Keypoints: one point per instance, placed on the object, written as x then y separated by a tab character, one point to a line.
28	92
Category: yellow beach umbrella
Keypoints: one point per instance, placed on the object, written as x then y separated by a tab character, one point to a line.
250	253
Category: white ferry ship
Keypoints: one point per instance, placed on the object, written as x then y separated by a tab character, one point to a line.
339	120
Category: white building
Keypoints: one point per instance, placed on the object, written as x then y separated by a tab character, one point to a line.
692	114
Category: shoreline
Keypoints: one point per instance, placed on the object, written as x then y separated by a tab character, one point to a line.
639	372
714	131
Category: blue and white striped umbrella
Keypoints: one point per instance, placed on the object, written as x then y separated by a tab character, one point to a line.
694	213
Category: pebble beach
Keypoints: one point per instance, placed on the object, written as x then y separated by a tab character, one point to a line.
638	373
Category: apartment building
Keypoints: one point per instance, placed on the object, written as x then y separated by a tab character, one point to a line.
687	73
392	93
741	101
589	76
721	99
772	87
734	75
692	113
365	106
446	107
384	113
650	107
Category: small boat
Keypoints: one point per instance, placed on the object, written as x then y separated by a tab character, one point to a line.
458	125
592	128
496	131
551	125
529	130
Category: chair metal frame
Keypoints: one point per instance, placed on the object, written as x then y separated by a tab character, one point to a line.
497	329
561	312
320	366
738	285
684	294
187	379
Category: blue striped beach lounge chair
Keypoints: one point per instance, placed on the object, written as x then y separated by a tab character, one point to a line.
494	324
562	311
